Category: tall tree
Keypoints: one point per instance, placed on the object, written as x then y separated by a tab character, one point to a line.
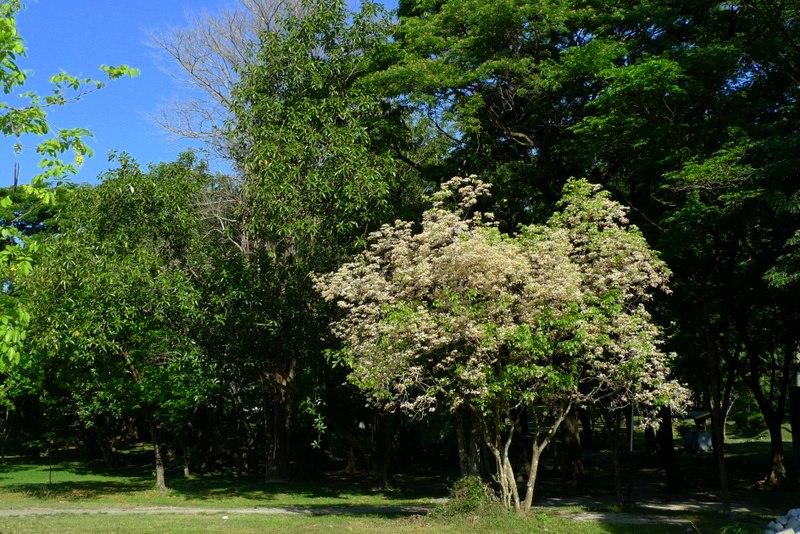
684	110
116	307
314	176
512	328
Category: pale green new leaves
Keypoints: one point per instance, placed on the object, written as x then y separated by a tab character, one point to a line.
460	313
30	118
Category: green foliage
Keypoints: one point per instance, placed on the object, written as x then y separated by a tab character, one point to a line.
468	495
304	133
749	423
685	111
313	150
19	248
459	315
117	311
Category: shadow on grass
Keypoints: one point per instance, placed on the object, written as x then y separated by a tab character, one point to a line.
73	491
220	486
8	468
75	480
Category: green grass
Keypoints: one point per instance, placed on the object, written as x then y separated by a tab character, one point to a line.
26	484
492	523
74	484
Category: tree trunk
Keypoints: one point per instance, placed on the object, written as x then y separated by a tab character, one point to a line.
499	447
772	405
794	414
587	427
107	451
651	441
571	459
666	451
536	452
385	452
530	486
468	440
186	461
615	465
4	436
717	432
280	380
777	473
161	484
282	430
461	443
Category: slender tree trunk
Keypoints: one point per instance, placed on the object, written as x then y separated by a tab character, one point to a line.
107	451
186	461
269	457
462	442
727	398
615	465
572	453
717	432
651	441
772	405
4	436
474	463
499	447
794	414
666	449
282	429
536	452
587	427
385	452
161	484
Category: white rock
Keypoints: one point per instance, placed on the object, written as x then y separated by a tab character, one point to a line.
775	526
787	531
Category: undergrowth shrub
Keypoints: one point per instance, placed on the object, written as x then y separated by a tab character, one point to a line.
750	424
468	495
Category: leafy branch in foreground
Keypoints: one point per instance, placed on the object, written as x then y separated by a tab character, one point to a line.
30	118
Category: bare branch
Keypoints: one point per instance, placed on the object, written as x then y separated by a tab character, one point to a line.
207	56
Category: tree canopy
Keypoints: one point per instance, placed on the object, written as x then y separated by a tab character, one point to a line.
460	314
641	233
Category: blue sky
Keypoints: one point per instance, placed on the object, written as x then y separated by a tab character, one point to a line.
77	36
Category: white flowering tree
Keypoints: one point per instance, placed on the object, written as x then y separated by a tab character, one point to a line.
513	330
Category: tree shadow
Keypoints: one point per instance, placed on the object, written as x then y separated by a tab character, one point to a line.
344	489
74	491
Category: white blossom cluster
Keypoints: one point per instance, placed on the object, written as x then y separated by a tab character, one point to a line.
455	312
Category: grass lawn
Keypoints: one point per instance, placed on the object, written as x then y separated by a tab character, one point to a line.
24	483
493	522
76	486
335	503
489	522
